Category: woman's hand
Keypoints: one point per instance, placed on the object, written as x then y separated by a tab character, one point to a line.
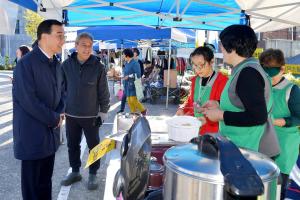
198	108
179	112
279	122
214	115
125	78
211	104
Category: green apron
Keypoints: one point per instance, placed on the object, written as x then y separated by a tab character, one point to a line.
201	94
246	137
288	136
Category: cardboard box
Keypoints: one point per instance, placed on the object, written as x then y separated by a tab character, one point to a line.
173	78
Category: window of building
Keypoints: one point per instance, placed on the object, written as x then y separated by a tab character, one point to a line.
17	30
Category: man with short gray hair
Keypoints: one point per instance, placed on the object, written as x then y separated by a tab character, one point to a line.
87	104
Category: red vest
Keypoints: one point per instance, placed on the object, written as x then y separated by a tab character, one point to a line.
217	88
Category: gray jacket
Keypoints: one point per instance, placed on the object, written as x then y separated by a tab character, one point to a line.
87	90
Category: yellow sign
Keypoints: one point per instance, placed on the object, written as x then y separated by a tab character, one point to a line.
100	150
257	52
292	68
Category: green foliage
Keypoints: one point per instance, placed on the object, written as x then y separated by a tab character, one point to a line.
32	21
6	63
293	79
225	71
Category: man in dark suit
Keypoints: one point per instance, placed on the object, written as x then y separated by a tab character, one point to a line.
38	108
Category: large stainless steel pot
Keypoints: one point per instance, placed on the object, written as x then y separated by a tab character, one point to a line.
192	175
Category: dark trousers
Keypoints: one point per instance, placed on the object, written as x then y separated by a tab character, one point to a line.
36	177
74	128
123	101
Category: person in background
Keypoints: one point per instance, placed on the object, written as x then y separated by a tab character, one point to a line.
147	78
112	56
22	51
38	107
207	84
148	68
124	97
246	99
87	104
132	70
136	54
286	113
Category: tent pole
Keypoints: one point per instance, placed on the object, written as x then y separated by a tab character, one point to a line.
168	77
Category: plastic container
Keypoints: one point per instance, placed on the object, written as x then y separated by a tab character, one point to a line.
183	128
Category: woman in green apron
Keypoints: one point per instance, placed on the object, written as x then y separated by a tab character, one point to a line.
285	111
207	84
246	99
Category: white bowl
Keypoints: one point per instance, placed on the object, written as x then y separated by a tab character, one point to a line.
183	128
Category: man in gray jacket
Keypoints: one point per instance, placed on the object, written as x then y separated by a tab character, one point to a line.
87	104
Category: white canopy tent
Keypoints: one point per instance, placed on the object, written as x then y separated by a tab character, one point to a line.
270	15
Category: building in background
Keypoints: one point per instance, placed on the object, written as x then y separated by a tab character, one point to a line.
9	43
288	40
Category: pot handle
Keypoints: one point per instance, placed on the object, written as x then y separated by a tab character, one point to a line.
240	177
207	145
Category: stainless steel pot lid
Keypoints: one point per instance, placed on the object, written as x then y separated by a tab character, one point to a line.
187	160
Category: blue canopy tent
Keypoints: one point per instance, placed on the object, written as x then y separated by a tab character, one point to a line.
135	33
263	15
30	4
119	44
123	43
152	13
126	32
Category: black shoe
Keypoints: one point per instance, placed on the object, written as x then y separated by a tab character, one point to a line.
92	182
120	111
71	178
144	113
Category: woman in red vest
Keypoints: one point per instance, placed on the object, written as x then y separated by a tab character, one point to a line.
207	84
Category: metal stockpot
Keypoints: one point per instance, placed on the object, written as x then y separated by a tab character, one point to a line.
156	175
192	175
